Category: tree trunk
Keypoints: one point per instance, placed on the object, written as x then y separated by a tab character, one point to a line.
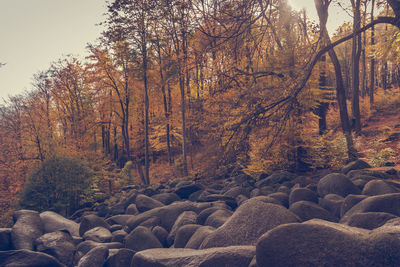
372	85
356	52
323	106
146	112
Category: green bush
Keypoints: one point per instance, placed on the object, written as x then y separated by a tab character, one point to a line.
59	183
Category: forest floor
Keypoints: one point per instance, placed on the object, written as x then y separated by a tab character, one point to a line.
379	142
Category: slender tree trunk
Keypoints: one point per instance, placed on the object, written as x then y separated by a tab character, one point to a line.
356	52
372	85
146	111
182	89
364	63
322	107
322	8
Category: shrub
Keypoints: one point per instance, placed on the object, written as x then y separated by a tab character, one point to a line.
126	174
59	183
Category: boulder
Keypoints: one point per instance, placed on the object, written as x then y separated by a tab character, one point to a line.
283	198
85	246
278	177
355	165
389	203
96	257
203	215
27	258
369	220
27	228
91	221
54	222
238	256
198	237
167	214
184	233
322	243
141	238
131	209
187	217
5	239
121	219
248	223
365	173
145	203
332	203
118	236
58	244
378	187
185	188
236	191
121	258
161	235
98	234
166	198
306	210
230	201
299	194
336	183
349	202
218	218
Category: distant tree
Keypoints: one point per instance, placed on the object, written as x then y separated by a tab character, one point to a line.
59	183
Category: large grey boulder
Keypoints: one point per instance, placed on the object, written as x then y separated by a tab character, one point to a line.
238	256
322	243
307	210
28	226
184	233
336	183
58	244
332	203
187	217
91	221
198	237
299	194
120	258
355	165
53	221
369	220
167	214
5	239
185	188
140	239
96	257
389	203
349	202
84	247
27	258
98	234
248	223
278	177
166	198
378	187
145	203
218	218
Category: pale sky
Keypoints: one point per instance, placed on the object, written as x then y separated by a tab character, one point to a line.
35	33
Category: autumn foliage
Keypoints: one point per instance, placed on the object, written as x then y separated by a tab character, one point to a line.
178	88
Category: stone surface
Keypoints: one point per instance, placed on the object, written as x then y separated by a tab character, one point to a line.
198	237
166	198
238	256
336	183
299	194
322	243
121	258
96	257
28	226
378	187
53	222
91	221
98	234
355	165
349	202
145	203
141	238
184	233
187	217
389	203
306	210
369	220
27	258
332	203
248	223
58	244
5	239
218	218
